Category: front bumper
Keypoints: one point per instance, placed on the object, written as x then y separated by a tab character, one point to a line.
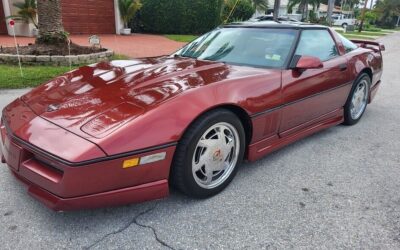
95	183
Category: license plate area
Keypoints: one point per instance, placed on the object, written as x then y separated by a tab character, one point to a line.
12	153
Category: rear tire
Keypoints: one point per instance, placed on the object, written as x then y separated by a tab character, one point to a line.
358	100
208	155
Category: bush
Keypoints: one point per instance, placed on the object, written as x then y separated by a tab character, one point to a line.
178	16
244	10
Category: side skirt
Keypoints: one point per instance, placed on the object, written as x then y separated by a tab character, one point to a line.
270	144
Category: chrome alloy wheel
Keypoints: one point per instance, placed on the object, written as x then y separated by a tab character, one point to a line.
359	100
215	155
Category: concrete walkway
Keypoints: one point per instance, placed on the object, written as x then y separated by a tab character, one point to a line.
136	45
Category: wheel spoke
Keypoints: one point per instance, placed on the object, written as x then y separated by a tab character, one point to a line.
198	165
209	175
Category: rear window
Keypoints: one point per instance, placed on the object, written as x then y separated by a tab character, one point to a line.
348	45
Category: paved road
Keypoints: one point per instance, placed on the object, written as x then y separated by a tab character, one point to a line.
336	189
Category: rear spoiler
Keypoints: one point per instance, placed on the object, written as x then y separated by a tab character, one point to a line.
375	46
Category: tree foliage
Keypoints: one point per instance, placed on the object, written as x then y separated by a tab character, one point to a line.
128	9
387	12
261	5
238	10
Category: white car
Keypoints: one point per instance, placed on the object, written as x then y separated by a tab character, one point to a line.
343	20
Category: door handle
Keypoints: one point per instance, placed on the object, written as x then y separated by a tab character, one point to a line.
343	67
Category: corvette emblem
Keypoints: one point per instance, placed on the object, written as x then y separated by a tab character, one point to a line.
52	107
217	155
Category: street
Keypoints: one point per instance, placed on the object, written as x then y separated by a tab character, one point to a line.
336	189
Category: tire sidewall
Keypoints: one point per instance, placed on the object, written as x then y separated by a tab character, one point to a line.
347	111
201	127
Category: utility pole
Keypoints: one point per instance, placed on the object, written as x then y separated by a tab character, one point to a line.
363	16
277	4
330	10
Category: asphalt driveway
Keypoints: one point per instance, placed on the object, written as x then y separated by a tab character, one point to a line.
336	189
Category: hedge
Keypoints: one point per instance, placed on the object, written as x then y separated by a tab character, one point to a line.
244	10
178	16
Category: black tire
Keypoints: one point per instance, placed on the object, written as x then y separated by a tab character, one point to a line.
181	172
344	25
348	119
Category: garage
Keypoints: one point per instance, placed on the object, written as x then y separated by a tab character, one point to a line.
88	16
3	27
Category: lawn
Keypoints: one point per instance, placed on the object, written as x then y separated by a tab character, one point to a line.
350	36
33	75
10	77
181	38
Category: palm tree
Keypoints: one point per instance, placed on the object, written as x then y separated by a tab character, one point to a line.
303	6
261	5
51	30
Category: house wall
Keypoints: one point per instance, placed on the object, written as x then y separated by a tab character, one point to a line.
79	16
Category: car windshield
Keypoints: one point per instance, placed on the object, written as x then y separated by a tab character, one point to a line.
259	47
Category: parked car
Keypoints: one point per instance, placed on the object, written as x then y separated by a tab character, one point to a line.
121	132
271	18
343	20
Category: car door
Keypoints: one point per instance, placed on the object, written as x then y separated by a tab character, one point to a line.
313	95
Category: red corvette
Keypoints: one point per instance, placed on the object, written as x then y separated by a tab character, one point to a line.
120	132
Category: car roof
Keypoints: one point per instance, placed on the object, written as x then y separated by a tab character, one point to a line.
275	24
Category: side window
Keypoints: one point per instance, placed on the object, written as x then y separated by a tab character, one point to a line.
348	45
318	43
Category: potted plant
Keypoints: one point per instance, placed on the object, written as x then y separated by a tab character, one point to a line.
127	10
27	12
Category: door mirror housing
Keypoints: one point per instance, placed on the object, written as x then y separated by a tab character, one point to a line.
308	62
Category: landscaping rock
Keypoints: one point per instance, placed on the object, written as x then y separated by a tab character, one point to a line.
28	58
43	58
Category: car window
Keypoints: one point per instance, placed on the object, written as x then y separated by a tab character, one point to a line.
243	46
348	45
317	43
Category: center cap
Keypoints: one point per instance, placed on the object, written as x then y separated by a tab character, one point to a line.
217	156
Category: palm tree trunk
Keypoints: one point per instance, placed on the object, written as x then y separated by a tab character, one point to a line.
51	30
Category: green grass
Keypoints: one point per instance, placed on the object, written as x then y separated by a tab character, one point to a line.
363	33
33	75
181	38
10	77
120	57
349	36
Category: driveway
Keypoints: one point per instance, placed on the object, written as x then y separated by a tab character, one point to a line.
136	45
336	189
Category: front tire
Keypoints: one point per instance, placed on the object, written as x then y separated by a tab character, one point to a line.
208	155
358	100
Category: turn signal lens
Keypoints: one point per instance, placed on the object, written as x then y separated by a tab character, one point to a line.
131	163
144	160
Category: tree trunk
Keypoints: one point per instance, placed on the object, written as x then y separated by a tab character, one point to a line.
363	16
51	30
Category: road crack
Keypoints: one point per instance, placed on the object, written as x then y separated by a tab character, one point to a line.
125	227
157	238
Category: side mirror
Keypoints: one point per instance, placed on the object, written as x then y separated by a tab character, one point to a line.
308	62
382	47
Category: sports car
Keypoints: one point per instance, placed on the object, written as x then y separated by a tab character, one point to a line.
124	131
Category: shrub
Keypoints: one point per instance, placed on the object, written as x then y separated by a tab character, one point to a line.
244	10
178	16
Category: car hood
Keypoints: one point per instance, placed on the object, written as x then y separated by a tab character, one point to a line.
95	100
